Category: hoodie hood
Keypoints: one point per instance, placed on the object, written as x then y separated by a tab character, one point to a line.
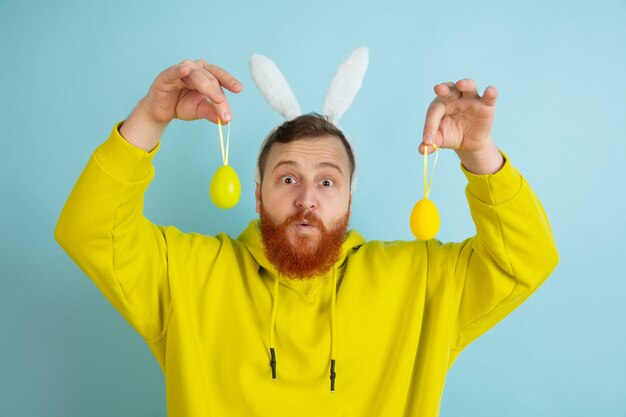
252	239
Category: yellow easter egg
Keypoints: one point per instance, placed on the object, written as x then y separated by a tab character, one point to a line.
425	220
225	187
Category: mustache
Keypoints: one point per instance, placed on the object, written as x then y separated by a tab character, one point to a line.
305	217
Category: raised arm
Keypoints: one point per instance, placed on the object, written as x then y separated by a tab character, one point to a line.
513	251
102	226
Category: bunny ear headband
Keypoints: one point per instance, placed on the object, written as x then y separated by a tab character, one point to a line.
342	89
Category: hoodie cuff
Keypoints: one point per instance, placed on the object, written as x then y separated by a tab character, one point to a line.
124	160
497	188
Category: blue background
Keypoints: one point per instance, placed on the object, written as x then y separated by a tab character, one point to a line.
71	69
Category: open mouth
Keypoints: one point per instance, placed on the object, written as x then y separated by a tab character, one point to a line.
304	227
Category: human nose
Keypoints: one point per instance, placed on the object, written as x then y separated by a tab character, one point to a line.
306	198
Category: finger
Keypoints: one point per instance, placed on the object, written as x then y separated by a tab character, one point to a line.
171	78
223	77
429	148
203	81
447	91
208	111
490	96
467	87
436	111
221	110
207	85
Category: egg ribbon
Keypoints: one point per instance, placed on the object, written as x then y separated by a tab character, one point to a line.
428	183
219	128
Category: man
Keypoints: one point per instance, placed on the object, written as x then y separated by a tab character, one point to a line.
298	316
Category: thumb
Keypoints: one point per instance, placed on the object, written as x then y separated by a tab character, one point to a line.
207	110
434	115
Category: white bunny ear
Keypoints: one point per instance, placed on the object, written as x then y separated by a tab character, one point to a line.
345	85
273	86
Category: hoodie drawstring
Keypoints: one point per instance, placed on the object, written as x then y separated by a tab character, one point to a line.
333	326
273	327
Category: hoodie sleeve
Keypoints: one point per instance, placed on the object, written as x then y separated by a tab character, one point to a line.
511	255
102	228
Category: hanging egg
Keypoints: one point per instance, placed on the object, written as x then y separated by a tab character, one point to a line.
425	220
225	187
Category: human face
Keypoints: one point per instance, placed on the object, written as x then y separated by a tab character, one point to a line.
310	176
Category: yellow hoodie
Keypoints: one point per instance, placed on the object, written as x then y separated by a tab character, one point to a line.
392	315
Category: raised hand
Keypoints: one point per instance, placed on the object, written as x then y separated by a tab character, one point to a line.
187	91
460	119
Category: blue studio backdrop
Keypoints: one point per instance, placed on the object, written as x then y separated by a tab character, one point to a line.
71	69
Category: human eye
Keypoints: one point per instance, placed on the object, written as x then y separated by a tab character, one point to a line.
287	179
327	182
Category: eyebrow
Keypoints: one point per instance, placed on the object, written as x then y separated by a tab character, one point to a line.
320	165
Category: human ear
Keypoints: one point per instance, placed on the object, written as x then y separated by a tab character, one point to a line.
257	195
350	204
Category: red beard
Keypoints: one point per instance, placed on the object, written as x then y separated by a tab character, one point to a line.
310	256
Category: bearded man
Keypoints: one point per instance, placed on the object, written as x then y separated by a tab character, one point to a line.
299	316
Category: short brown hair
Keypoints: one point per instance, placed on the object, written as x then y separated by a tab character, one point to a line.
305	126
